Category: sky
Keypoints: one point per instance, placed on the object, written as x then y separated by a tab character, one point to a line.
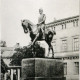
13	11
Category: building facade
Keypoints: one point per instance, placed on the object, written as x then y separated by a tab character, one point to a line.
66	44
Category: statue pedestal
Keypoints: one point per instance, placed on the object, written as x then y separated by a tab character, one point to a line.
42	69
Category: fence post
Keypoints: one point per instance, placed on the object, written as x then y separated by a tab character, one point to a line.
11	74
18	74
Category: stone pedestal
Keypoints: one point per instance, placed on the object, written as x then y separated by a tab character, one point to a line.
42	69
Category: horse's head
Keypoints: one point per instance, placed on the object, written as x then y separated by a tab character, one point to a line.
25	25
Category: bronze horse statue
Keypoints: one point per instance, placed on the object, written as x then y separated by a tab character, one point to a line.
38	36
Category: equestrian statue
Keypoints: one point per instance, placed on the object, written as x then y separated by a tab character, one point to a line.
39	32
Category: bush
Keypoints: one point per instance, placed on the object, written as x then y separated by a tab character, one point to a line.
25	52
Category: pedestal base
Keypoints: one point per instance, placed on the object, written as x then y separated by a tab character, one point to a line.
42	69
47	78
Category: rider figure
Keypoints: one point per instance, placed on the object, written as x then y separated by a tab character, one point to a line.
41	22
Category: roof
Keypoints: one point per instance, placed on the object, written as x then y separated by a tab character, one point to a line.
7	48
65	19
7	54
7	51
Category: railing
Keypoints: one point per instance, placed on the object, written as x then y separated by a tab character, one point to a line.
13	72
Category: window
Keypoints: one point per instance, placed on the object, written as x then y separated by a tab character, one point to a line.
75	44
77	23
64	26
64	45
54	45
54	28
65	68
76	67
74	23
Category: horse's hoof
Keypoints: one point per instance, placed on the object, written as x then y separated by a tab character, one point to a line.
53	57
46	57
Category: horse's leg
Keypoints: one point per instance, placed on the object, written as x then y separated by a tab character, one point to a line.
52	51
32	50
34	55
48	47
48	51
51	47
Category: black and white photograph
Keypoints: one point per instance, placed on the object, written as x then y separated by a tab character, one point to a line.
39	39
